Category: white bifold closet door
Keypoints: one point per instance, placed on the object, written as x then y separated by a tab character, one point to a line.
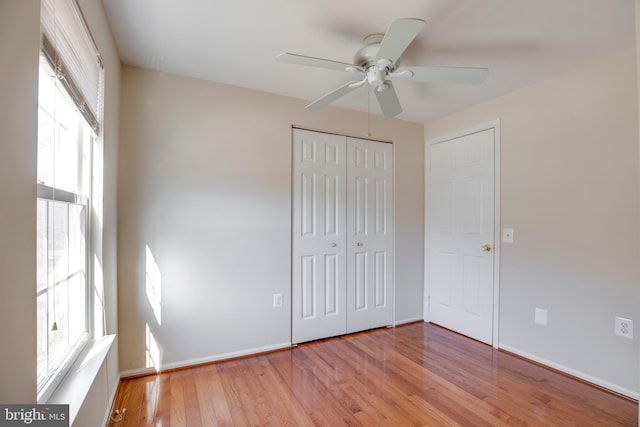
342	266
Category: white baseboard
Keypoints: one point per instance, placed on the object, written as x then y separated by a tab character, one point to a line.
586	377
202	360
409	320
110	405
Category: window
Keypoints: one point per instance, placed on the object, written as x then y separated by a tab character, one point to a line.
68	126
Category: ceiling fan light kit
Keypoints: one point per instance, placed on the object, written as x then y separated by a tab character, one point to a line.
377	62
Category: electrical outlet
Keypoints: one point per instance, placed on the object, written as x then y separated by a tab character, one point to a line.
624	327
277	300
541	316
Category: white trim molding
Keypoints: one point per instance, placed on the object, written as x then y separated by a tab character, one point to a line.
409	320
89	371
578	374
112	398
203	360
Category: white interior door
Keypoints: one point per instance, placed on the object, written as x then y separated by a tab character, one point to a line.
370	224
461	234
319	236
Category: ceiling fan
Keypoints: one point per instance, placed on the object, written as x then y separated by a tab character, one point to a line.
378	61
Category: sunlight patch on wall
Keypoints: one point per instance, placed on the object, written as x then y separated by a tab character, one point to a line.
99	321
97	184
154	285
152	350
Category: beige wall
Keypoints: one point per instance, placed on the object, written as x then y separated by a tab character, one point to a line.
19	46
19	52
569	189
205	183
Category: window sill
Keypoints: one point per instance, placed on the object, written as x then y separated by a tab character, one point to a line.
77	383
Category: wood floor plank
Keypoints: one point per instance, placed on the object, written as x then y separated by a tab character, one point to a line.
163	405
287	405
177	412
417	374
193	417
307	391
213	401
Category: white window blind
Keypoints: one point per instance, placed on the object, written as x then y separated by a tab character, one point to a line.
68	46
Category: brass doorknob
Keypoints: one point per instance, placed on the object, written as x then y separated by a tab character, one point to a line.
486	248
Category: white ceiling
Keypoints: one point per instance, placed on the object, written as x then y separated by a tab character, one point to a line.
235	42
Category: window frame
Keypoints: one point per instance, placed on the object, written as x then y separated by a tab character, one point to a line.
89	134
55	375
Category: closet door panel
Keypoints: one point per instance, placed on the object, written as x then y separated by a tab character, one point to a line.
370	259
319	236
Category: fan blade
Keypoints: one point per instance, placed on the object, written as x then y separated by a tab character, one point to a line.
399	35
463	75
332	96
292	58
388	100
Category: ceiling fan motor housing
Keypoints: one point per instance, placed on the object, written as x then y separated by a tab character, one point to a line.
366	56
376	71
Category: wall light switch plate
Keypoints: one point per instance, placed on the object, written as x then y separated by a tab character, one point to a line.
541	316
507	235
277	300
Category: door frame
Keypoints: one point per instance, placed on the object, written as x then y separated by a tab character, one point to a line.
495	126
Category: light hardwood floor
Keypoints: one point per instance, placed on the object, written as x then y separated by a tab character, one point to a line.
413	375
